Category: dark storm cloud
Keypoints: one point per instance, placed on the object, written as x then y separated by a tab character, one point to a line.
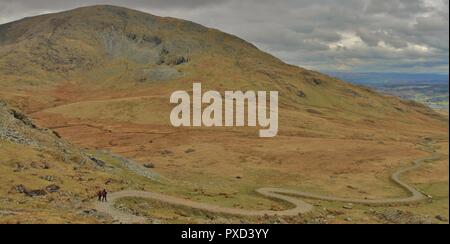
360	35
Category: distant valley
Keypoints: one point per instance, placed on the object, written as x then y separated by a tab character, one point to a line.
429	89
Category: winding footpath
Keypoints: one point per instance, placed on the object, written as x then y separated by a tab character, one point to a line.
286	195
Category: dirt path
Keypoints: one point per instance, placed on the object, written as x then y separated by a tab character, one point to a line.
275	193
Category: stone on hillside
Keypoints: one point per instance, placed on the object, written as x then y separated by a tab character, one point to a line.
21	189
36	193
48	178
149	165
98	162
442	218
348	206
52	188
19	167
166	152
301	94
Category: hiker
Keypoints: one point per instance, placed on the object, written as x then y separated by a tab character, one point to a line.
99	195
104	195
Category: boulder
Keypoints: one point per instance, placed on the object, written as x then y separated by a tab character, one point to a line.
97	161
21	189
48	178
149	165
52	188
36	193
442	218
348	206
301	94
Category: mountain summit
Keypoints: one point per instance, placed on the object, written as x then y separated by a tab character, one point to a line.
103	48
147	47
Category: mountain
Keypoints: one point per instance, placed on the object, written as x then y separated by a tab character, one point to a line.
113	47
101	77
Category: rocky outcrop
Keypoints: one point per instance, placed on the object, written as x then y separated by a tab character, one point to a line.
17	128
37	192
166	57
149	39
30	193
97	161
20	116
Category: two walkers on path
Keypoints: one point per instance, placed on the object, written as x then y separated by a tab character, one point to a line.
102	196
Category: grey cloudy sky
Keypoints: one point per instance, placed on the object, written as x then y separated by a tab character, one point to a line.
330	35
